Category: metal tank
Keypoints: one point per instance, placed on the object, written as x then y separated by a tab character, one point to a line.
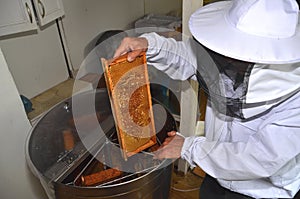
61	152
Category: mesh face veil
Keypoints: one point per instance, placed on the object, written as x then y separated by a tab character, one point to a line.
242	89
225	80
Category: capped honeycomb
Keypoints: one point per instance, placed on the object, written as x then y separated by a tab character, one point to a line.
129	92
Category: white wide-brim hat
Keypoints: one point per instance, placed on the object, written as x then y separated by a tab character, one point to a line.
259	31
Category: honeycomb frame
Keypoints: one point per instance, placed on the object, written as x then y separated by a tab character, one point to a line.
129	92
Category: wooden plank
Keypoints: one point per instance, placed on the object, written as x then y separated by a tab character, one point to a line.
188	114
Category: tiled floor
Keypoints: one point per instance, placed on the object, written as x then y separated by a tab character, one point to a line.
49	98
183	186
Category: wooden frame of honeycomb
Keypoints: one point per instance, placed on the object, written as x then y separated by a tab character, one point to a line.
129	92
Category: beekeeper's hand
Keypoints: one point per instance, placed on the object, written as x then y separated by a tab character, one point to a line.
133	46
171	147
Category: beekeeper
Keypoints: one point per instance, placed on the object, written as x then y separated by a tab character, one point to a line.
245	54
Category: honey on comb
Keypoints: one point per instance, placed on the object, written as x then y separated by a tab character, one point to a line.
129	92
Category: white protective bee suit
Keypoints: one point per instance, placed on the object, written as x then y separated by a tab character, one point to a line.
252	124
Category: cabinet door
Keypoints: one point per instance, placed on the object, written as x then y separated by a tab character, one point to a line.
16	16
48	10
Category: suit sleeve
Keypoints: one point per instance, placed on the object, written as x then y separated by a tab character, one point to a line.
175	58
268	152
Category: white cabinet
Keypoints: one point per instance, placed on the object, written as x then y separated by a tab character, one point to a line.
19	15
48	10
16	16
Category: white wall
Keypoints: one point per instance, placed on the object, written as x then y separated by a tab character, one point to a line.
163	6
16	180
85	19
188	8
35	60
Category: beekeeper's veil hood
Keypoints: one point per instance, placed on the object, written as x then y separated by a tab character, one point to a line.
254	54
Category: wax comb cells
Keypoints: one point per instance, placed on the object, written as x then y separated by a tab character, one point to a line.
129	91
